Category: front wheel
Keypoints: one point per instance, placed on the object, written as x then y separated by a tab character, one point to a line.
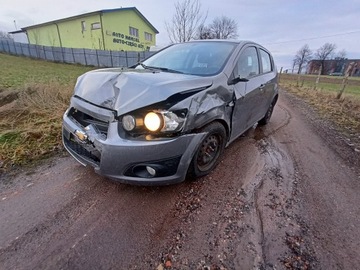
209	150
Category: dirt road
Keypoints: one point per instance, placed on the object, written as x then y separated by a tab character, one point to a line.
285	196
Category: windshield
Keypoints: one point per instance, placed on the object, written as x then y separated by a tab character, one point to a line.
196	58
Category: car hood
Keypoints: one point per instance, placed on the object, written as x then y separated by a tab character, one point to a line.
127	90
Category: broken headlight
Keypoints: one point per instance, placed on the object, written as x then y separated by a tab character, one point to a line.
154	121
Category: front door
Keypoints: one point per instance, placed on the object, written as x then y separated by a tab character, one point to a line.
247	93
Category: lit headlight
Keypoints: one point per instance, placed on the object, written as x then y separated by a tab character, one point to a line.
152	121
128	122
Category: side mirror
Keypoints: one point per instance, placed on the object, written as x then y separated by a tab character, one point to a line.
237	79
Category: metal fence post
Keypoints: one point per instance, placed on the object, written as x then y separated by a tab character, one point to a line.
62	55
37	51
97	58
8	46
85	57
16	53
72	53
22	52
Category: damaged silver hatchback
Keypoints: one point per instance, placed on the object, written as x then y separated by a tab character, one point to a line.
170	117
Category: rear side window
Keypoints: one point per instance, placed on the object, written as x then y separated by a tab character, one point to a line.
248	63
266	61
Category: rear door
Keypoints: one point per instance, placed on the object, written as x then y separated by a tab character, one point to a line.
268	83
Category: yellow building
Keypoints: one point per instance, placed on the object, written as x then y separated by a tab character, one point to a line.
122	29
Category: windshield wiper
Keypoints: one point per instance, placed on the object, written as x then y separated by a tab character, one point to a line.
143	65
168	70
159	68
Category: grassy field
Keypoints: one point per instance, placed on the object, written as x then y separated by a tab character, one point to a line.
344	112
33	96
326	83
17	71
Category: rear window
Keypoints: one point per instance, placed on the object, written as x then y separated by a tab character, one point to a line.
266	61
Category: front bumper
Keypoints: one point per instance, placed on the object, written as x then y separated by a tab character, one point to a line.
126	160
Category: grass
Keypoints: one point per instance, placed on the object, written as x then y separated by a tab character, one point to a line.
326	83
33	97
344	112
17	71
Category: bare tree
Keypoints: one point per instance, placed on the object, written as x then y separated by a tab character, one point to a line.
223	28
186	20
340	62
324	53
341	54
302	57
293	66
4	34
204	32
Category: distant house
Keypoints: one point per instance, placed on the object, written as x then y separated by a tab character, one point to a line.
111	29
335	67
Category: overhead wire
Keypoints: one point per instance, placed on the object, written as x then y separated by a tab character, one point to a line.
313	38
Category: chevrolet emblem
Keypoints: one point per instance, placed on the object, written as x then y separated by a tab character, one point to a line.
81	135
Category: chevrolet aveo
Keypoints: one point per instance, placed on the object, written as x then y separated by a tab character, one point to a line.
170	117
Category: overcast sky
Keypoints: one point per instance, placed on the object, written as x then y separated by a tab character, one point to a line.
282	26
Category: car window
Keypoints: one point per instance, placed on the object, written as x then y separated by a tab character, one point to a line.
196	58
175	60
248	63
266	61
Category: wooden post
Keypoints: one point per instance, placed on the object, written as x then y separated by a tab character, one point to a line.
298	80
345	79
318	78
280	74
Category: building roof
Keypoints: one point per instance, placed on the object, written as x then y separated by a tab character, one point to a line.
23	29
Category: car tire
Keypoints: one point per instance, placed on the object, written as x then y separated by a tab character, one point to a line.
209	150
266	119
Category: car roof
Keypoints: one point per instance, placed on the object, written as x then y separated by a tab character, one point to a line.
220	40
239	43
